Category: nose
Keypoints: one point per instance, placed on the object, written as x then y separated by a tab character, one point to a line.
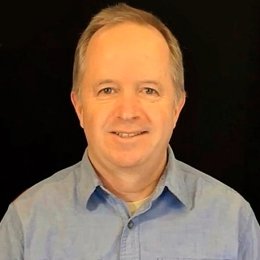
128	107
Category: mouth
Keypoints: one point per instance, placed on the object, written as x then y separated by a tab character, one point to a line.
129	134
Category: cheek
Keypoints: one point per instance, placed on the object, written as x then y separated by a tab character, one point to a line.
95	117
162	115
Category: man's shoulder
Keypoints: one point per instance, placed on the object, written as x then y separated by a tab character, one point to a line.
210	189
60	178
47	192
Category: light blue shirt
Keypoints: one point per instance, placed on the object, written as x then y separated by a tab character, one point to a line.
71	216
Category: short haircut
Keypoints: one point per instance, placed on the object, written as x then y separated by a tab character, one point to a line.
121	13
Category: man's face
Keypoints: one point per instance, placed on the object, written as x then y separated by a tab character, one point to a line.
127	103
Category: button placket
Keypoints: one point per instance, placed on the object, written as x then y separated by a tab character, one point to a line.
130	241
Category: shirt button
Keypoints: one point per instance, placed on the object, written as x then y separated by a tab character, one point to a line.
130	224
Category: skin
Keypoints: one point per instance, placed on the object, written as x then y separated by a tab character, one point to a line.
127	107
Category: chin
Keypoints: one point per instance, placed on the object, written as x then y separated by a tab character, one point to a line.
126	161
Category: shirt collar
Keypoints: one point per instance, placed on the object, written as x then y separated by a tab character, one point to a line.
179	182
88	180
176	180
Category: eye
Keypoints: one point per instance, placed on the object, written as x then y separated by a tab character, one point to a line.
150	91
106	91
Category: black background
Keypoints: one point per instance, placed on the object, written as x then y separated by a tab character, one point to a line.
218	129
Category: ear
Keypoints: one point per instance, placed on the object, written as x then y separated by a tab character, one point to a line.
179	104
77	104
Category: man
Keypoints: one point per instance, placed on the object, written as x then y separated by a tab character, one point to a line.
129	198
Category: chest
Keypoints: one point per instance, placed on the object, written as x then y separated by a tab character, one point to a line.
161	233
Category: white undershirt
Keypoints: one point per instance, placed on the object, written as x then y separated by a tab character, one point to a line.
133	206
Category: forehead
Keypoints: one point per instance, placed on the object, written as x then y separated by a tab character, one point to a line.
127	47
120	30
128	35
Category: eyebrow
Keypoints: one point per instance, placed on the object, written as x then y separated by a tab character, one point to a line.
149	82
140	82
105	81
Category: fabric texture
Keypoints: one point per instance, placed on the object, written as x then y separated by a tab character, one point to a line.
71	215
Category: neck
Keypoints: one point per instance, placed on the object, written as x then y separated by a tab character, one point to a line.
131	184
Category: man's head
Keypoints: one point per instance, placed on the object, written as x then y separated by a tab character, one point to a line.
122	13
128	89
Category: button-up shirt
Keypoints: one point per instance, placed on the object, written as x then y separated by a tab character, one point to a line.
70	215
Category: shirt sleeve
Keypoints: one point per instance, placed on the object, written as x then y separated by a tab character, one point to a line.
11	236
249	244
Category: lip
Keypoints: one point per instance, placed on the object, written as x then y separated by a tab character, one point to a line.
128	134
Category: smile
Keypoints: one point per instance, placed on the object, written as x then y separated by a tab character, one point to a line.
128	135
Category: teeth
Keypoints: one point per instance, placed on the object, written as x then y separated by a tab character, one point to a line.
126	135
